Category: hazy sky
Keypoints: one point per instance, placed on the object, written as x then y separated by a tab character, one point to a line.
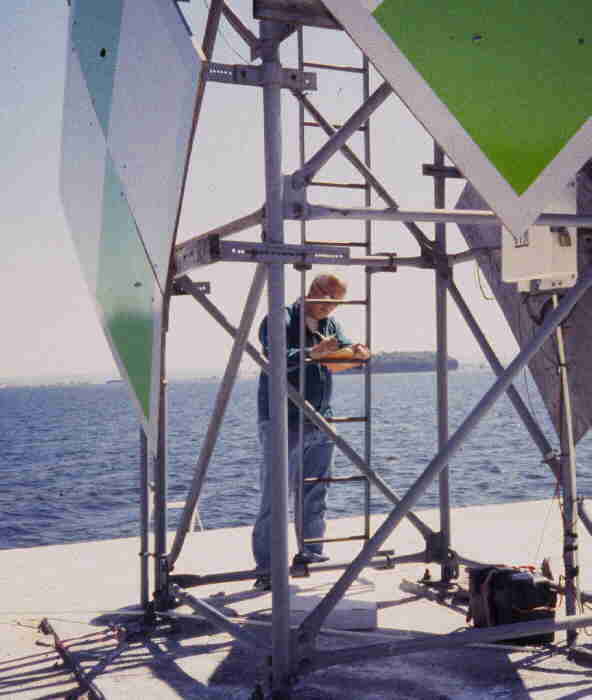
50	328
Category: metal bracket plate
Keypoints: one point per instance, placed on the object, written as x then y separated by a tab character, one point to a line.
202	251
295	204
278	252
306	12
253	75
203	287
206	251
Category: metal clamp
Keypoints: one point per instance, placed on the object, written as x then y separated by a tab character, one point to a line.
294	199
201	251
290	78
389	557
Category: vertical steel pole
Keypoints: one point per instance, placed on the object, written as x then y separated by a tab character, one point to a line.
568	482
160	477
144	518
442	364
368	308
274	227
299	480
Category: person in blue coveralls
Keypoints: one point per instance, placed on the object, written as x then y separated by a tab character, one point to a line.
323	338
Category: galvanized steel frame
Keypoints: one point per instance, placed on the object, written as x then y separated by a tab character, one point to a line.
293	652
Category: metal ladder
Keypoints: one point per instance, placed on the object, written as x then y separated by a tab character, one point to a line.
364	72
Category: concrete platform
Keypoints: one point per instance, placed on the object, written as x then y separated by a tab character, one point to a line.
79	587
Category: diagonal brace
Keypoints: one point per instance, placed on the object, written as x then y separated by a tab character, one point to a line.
210	613
314	621
240	28
211	30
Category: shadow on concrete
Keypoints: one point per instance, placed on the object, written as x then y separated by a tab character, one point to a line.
196	661
35	675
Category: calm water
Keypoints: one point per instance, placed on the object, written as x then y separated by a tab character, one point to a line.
69	454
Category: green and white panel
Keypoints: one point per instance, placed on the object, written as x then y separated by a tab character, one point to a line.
124	154
505	87
154	93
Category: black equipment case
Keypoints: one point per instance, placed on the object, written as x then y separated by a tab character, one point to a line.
501	596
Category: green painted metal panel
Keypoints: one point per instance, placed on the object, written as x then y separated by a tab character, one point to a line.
516	74
125	284
96	28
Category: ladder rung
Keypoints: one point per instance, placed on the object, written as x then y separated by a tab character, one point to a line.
334	479
327	66
345	419
336	539
342	185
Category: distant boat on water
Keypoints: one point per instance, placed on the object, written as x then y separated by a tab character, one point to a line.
114	381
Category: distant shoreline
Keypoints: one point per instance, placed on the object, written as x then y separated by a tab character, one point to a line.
391	362
405	362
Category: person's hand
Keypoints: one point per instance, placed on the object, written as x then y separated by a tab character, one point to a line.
326	345
360	351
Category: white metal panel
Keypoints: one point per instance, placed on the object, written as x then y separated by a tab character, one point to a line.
154	95
82	171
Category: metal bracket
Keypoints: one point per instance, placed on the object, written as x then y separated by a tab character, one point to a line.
242	251
201	251
290	78
163	600
309	13
202	287
446	557
389	558
441	264
391	267
205	251
295	204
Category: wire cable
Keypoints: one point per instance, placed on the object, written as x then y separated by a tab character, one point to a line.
480	283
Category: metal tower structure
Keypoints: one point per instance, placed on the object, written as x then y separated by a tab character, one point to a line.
123	178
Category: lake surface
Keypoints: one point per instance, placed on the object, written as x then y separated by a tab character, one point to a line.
69	454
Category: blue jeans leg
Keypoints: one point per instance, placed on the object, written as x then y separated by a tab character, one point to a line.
318	460
318	463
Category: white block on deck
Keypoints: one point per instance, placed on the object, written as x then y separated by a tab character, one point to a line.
356	611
